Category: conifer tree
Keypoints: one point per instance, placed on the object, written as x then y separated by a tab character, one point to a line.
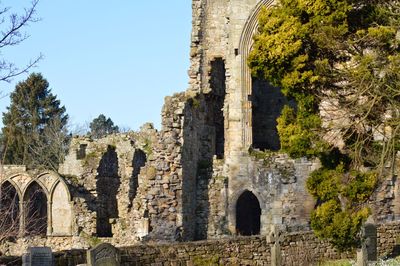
102	126
31	119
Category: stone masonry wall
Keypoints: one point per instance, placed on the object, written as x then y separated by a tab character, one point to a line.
299	248
103	175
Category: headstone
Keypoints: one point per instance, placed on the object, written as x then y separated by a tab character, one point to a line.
275	238
370	236
143	227
38	256
368	251
103	255
362	256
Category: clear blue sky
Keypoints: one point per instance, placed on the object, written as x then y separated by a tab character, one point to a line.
119	58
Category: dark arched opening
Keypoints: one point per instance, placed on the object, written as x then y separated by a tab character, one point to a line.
215	104
9	210
107	186
248	214
267	105
35	210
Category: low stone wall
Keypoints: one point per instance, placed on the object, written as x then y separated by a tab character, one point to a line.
238	251
389	239
298	248
304	248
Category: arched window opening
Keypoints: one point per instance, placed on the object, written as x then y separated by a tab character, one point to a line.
267	105
215	104
248	214
35	200
9	210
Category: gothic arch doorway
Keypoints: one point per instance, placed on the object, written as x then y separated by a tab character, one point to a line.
9	209
35	201
248	214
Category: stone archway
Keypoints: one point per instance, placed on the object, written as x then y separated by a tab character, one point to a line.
35	204
246	81
61	212
248	214
9	209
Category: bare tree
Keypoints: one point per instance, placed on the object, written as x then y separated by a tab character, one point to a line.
51	146
33	216
11	34
10	213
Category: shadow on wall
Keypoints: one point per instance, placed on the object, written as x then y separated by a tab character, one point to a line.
138	161
212	143
107	186
267	105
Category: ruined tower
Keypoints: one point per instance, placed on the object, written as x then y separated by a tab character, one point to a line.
229	117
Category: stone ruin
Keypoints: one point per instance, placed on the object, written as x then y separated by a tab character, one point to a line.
200	176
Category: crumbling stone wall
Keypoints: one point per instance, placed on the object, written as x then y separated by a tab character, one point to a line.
221	39
184	182
298	248
105	178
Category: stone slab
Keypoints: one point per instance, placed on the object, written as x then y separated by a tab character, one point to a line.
103	255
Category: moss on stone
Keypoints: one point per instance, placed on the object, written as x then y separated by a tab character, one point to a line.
194	102
219	177
91	240
151	172
148	147
91	159
73	179
206	261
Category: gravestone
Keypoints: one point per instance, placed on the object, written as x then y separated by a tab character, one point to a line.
275	238
368	251
38	256
362	256
370	235
103	255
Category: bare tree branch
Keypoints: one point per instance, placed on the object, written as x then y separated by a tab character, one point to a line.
12	35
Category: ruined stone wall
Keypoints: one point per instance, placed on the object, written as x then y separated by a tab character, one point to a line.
185	181
220	29
223	30
104	174
158	204
388	239
298	248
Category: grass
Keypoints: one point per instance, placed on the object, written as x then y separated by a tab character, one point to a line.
337	263
390	262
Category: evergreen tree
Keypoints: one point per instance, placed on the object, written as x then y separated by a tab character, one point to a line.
102	126
34	112
341	57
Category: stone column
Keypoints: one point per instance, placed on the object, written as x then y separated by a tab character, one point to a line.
362	256
368	251
274	238
21	218
49	218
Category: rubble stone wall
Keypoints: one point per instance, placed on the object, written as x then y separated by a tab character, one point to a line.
183	183
298	248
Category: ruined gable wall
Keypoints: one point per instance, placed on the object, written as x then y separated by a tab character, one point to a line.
226	26
186	140
104	175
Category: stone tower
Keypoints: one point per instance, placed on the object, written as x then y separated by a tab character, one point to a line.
232	114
